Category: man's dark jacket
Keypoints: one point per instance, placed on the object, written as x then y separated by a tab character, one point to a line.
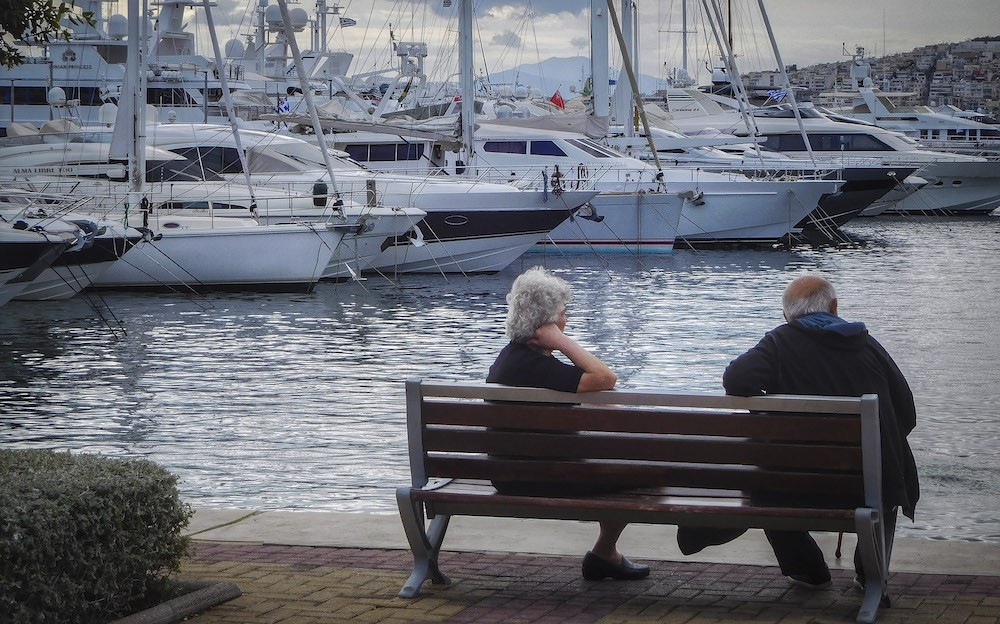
822	354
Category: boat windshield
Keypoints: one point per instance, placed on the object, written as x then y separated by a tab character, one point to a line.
785	112
594	149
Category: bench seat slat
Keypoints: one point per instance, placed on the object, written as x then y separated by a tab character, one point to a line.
468	499
643	474
583	446
777	426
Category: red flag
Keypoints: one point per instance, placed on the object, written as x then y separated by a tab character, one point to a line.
557	99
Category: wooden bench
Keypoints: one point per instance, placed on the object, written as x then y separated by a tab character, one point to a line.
690	459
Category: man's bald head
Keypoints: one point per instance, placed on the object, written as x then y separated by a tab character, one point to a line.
808	294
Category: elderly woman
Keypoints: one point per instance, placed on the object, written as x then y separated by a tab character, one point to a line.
536	320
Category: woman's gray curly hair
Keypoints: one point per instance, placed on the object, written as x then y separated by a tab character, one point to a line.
536	298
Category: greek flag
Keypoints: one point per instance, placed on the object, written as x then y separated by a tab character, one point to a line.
776	94
283	106
346	21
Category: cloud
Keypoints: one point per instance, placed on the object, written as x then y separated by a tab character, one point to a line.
508	38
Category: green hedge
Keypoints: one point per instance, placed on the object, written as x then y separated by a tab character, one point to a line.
85	538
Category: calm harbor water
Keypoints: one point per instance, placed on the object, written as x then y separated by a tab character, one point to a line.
296	401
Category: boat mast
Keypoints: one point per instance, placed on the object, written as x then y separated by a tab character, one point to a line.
228	99
467	81
600	93
712	8
293	45
128	139
788	85
627	63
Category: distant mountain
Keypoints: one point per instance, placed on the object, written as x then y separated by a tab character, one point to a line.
564	74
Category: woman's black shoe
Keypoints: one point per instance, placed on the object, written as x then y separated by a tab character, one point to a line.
596	568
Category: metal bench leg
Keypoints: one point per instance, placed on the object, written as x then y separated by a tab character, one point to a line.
425	545
871	546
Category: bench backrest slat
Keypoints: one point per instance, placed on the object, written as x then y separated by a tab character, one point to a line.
555	417
843	486
587	446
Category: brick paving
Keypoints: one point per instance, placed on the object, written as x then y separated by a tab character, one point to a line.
314	585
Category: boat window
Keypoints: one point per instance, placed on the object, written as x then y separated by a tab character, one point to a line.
259	161
218	160
88	96
183	205
409	151
113	53
546	148
826	142
588	146
25	95
168	97
506	147
357	151
180	169
785	112
382	152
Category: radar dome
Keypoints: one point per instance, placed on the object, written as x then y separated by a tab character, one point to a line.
235	49
117	26
56	96
272	15
298	17
107	113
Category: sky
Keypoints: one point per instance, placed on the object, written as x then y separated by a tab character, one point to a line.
514	32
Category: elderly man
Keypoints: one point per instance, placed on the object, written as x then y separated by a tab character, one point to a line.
817	352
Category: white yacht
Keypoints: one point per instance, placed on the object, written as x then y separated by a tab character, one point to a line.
956	183
862	184
448	224
201	253
638	209
959	131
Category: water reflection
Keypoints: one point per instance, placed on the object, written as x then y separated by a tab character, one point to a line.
296	401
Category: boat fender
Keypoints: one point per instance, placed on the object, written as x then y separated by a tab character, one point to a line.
693	196
319	194
588	212
557	181
658	178
145	209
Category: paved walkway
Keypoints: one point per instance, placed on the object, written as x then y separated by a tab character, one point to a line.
297	584
311	585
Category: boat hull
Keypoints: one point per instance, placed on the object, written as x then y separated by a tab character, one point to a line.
75	270
481	241
24	255
953	189
289	257
632	223
756	212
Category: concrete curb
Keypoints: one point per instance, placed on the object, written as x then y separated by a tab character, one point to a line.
556	537
204	595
